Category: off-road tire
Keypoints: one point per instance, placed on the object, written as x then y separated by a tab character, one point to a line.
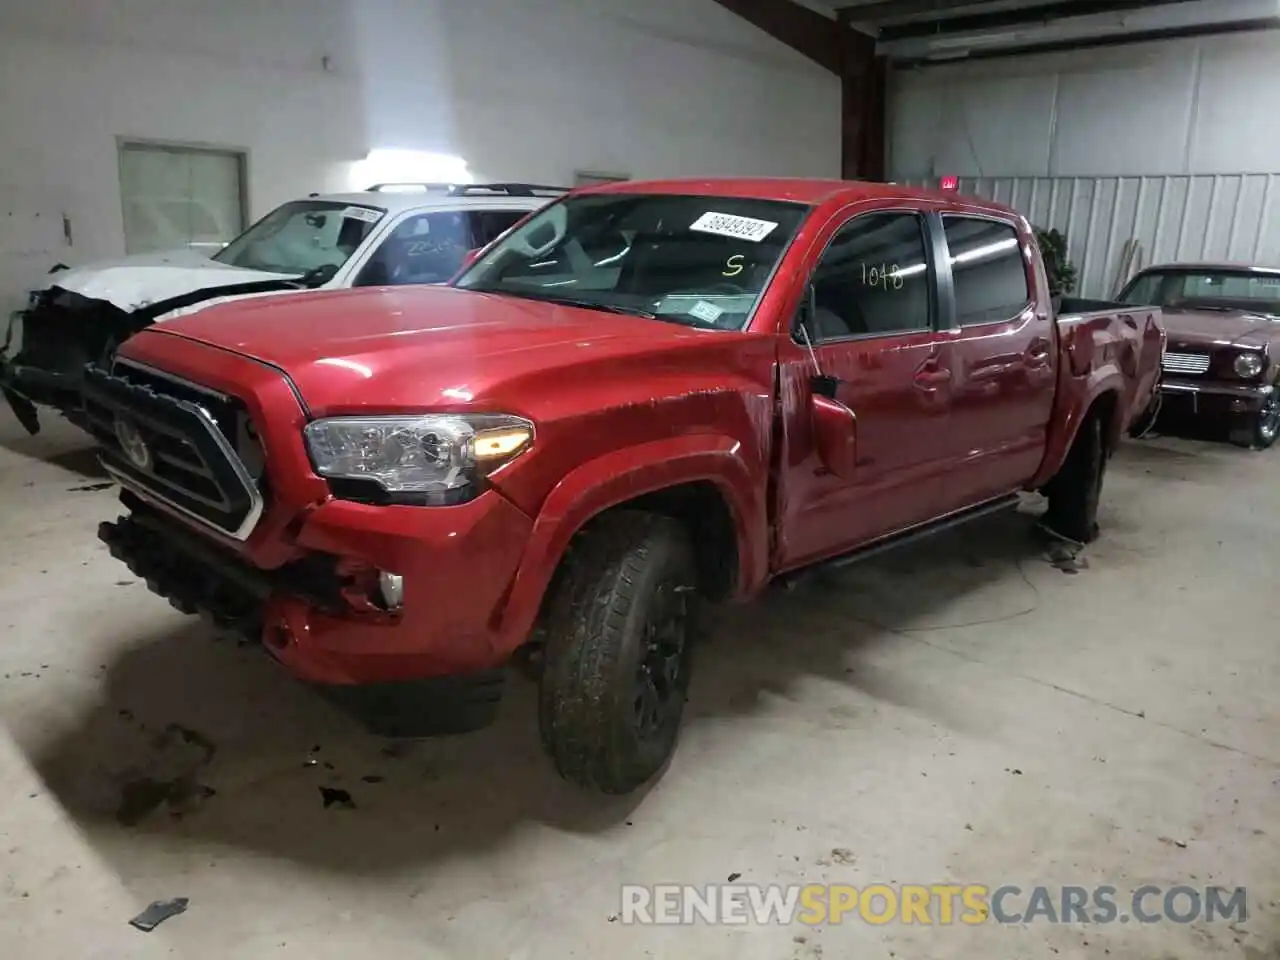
1075	490
628	590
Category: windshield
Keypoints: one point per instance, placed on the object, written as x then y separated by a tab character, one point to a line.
1226	290
700	261
303	237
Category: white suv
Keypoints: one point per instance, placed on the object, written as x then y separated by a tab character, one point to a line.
398	233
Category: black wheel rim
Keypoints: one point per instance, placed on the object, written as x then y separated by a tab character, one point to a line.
660	675
1269	419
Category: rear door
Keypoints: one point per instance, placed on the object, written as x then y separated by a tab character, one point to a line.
1000	356
873	329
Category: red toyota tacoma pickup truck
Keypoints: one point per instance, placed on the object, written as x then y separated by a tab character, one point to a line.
645	396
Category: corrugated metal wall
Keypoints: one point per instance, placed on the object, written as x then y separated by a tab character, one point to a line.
1223	217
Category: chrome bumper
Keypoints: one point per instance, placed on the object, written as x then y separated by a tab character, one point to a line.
1218	397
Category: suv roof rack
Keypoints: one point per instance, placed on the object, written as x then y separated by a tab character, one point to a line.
470	189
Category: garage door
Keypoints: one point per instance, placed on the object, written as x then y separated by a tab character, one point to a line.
1116	225
175	197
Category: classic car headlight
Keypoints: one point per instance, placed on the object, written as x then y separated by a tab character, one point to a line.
1248	365
429	459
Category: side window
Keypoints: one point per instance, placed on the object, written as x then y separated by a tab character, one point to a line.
1145	290
488	225
988	268
873	279
423	248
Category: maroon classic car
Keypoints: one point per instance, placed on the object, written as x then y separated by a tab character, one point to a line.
1222	359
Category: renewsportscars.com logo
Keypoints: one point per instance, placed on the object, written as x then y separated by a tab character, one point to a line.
937	904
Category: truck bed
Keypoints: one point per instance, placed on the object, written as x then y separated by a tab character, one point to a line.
1096	334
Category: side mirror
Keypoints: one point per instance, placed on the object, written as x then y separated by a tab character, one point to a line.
470	257
835	430
319	276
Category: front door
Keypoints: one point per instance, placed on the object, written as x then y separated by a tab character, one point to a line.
870	322
1000	358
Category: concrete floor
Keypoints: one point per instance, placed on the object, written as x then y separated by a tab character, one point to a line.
963	712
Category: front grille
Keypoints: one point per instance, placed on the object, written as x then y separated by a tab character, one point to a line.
176	442
1191	363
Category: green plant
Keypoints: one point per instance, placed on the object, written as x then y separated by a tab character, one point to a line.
1061	271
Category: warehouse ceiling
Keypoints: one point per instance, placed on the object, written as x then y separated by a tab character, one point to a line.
925	31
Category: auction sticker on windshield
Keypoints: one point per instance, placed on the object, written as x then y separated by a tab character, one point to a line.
363	213
728	225
706	312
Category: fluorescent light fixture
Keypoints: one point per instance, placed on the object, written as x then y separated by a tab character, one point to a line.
388	165
986	250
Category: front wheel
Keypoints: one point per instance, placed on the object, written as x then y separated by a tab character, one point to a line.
1076	489
1261	431
617	660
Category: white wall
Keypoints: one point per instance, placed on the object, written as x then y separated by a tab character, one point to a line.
76	76
1199	106
530	90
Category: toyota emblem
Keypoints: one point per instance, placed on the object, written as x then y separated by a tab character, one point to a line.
133	445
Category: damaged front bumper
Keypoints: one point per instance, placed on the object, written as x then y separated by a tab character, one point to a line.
199	577
60	334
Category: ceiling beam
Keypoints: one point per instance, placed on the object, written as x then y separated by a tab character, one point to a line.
801	29
1022	17
1112	40
889	10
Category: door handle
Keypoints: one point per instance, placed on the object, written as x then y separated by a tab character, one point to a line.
930	376
1038	352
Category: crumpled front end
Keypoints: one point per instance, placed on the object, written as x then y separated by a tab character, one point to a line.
63	332
58	335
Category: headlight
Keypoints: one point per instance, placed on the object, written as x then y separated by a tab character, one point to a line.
1248	365
437	459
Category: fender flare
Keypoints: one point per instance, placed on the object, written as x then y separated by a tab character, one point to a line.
1109	379
595	486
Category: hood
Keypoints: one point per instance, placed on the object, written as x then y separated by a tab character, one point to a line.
147	279
1213	328
427	347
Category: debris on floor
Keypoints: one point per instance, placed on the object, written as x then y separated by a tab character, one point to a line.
336	796
1067	557
158	913
171	776
91	487
839	855
372	778
140	797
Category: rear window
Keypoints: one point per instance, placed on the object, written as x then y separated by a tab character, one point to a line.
988	269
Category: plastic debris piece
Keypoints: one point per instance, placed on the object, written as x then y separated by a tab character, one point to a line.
158	913
336	796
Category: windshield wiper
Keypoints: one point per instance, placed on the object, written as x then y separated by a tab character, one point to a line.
571	302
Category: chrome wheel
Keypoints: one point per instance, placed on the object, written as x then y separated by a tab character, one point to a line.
1269	421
